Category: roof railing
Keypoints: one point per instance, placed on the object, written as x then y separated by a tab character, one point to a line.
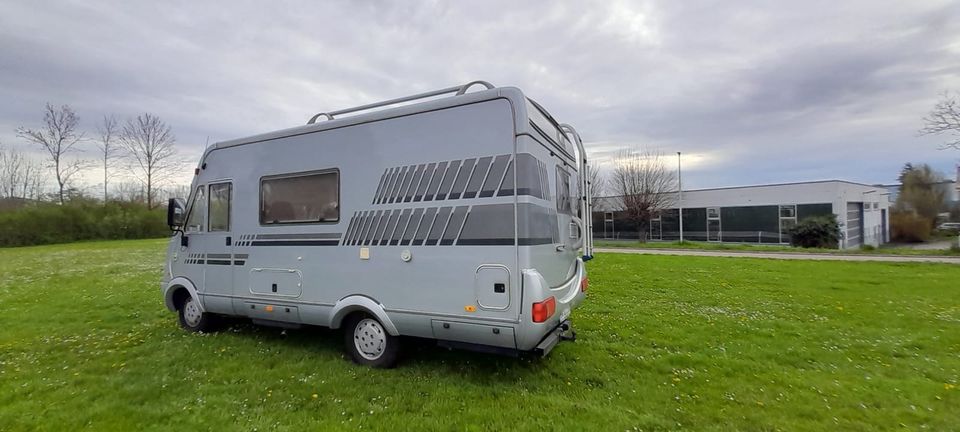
458	90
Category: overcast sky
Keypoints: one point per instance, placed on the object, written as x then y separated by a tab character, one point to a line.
750	92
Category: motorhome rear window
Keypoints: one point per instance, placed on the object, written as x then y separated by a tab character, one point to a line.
300	198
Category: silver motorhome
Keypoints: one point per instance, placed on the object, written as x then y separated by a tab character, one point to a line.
452	215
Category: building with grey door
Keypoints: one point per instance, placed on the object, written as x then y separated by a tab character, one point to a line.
758	214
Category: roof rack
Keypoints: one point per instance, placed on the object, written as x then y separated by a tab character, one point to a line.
459	90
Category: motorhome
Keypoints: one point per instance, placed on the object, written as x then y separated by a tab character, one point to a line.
455	215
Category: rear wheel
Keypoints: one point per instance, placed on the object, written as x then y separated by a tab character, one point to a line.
193	319
368	342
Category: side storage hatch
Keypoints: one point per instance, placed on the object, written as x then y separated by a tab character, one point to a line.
492	287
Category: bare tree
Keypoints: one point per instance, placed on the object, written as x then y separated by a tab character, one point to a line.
108	132
20	176
597	184
149	142
643	185
58	137
944	119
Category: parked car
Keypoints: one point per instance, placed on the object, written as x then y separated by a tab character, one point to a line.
949	226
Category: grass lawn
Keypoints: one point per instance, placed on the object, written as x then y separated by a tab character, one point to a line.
699	245
665	342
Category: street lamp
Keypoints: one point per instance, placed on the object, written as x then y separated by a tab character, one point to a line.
680	195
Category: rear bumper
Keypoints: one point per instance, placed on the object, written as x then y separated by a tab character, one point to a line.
563	332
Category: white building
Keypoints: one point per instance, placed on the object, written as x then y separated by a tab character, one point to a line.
761	214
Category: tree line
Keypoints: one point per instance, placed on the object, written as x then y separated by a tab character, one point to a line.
142	146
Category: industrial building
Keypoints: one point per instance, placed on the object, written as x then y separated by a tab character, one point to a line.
758	214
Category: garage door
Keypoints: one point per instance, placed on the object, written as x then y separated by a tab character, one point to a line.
854	224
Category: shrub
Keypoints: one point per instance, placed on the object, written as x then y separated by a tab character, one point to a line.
909	227
816	232
46	223
867	248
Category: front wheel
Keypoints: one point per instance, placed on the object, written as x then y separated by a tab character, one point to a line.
193	319
368	342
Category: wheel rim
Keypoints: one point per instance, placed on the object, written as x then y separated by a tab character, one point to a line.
369	338
191	313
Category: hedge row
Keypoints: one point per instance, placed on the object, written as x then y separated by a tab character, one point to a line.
50	223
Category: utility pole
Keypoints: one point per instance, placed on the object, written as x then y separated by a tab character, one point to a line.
680	195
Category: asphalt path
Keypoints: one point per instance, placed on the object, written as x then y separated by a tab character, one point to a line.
785	255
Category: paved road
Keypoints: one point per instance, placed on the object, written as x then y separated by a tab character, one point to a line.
784	255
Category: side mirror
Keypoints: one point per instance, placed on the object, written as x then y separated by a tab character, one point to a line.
176	208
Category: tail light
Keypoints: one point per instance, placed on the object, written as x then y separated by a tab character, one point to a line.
542	311
584	284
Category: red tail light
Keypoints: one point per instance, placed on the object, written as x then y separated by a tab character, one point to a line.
584	284
542	311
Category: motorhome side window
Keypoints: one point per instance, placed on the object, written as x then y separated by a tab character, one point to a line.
220	207
198	212
300	198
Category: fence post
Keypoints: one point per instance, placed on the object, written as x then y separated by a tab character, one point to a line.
759	238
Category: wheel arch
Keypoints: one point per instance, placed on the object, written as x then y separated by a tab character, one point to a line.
173	290
358	303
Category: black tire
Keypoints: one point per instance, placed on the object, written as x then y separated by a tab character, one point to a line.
189	320
380	349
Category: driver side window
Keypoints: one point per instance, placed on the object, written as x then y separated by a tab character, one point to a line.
198	212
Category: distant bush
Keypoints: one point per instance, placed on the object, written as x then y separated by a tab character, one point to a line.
908	227
46	223
867	248
816	232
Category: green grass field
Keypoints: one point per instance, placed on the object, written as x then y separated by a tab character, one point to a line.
664	343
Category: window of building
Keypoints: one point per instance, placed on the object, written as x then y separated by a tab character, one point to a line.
219	205
300	198
656	228
788	218
713	224
198	212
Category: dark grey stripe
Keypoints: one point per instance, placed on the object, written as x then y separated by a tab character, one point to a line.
383	178
218	262
297	243
240	256
299	236
425	225
239	262
213	255
453	228
439	185
495	176
438	225
396	185
414	184
427	178
412	226
406	183
389	185
401	226
374	223
390	226
448	176
479	175
465	171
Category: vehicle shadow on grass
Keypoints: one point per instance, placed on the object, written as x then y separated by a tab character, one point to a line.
416	353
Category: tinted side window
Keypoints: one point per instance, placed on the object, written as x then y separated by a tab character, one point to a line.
300	198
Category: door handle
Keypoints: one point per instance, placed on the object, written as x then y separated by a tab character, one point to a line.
561	247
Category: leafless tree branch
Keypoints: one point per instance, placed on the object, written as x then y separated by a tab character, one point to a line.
58	137
944	119
643	185
108	132
150	145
